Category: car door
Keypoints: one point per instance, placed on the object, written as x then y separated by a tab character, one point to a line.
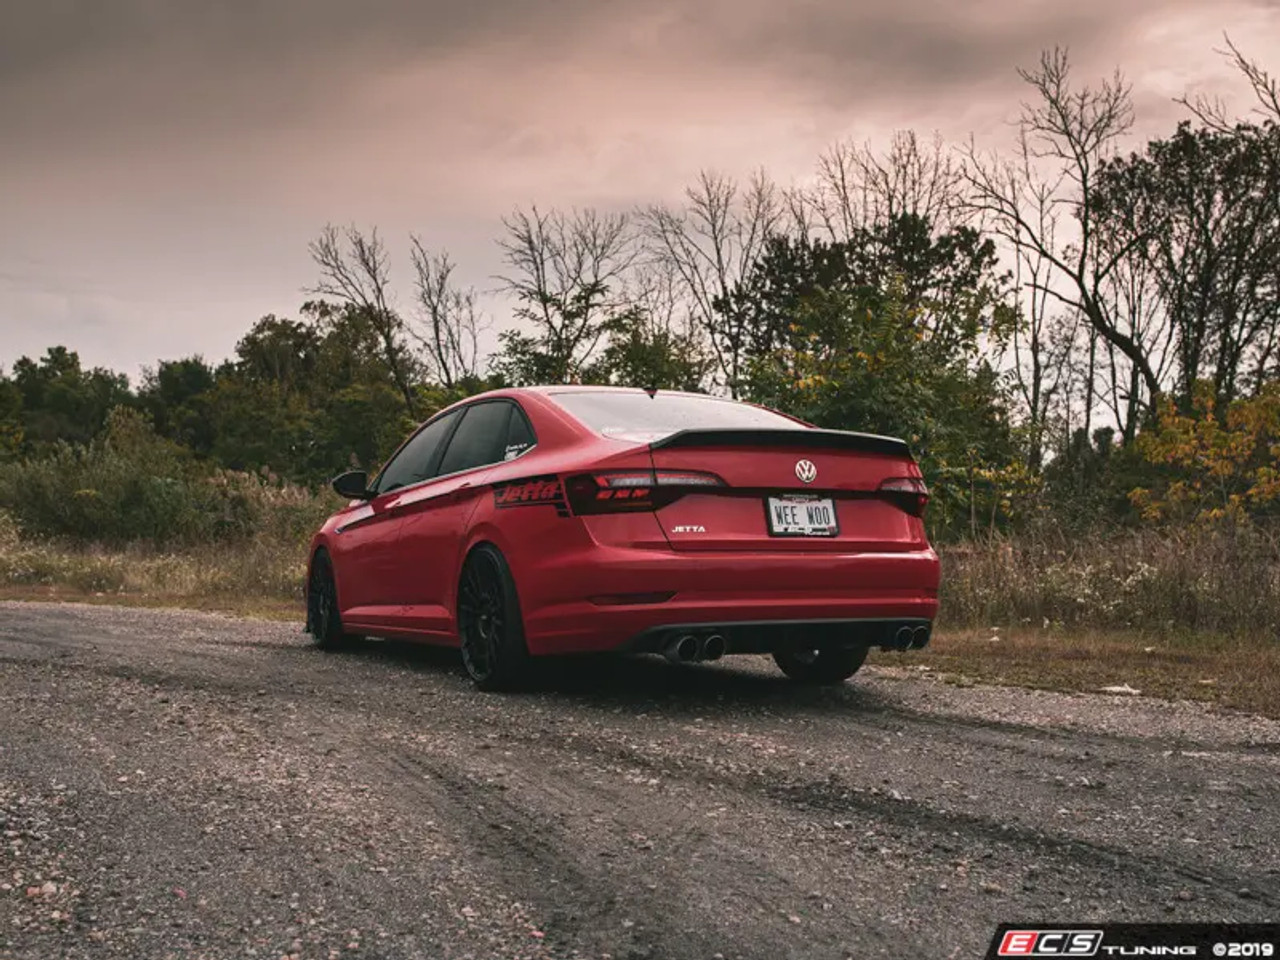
430	539
365	544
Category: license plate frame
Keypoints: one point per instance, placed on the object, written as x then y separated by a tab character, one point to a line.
809	527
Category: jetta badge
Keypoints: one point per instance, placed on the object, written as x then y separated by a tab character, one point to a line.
806	472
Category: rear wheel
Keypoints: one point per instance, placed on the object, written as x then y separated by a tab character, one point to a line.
324	622
827	665
490	627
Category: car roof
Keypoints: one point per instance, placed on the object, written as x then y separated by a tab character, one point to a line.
551	390
548	391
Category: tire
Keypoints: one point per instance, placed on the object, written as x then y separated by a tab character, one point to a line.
490	626
824	667
324	622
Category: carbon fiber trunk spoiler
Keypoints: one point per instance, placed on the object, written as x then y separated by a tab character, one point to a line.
797	439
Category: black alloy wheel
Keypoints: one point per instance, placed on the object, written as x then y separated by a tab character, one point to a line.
490	627
324	622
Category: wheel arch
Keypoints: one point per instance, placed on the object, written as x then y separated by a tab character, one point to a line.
320	547
479	535
500	645
474	543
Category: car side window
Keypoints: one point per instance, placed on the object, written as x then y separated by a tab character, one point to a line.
480	439
416	460
519	435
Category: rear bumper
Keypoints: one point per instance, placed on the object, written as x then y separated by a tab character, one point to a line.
757	600
768	636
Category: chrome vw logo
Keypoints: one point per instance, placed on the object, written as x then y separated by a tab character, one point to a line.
806	472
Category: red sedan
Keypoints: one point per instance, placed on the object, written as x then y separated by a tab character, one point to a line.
554	520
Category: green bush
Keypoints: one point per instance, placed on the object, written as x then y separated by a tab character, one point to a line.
129	485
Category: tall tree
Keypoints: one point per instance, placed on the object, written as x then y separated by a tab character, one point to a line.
710	245
566	271
1202	210
858	187
280	351
948	282
354	270
63	401
643	351
1041	344
10	417
1067	134
174	394
306	397
450	318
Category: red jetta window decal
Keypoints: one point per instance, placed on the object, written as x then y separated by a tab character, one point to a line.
531	492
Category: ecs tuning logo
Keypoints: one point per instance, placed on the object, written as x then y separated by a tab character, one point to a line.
1050	943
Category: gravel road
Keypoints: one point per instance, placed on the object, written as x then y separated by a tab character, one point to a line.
193	786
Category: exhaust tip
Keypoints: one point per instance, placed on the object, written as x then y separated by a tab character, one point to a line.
713	647
903	638
920	637
683	649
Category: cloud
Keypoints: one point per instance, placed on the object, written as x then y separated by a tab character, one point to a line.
169	152
204	70
213	68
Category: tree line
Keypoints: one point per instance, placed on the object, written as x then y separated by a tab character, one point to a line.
1070	327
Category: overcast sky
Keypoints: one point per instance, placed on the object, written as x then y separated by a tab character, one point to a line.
163	163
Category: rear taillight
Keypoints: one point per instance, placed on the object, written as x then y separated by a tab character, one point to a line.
910	493
628	490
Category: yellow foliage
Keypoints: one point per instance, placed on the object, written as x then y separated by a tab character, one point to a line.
1227	464
10	437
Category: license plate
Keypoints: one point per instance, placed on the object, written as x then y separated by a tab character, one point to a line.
802	517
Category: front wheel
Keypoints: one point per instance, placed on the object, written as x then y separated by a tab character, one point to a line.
490	627
825	666
324	622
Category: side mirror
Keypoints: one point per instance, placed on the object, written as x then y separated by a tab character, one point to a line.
354	484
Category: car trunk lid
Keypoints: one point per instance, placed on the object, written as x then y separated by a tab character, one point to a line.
784	490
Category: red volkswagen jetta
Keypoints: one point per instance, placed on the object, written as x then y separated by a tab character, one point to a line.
551	520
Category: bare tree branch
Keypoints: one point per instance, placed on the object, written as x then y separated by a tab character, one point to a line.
858	188
1043	342
353	270
452	321
1212	112
567	271
710	245
1066	135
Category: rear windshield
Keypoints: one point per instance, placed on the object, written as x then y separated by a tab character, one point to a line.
637	416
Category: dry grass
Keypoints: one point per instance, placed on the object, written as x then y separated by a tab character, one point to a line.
1154	582
1237	673
251	578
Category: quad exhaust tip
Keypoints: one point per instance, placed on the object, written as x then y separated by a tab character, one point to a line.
683	649
908	637
712	647
691	648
